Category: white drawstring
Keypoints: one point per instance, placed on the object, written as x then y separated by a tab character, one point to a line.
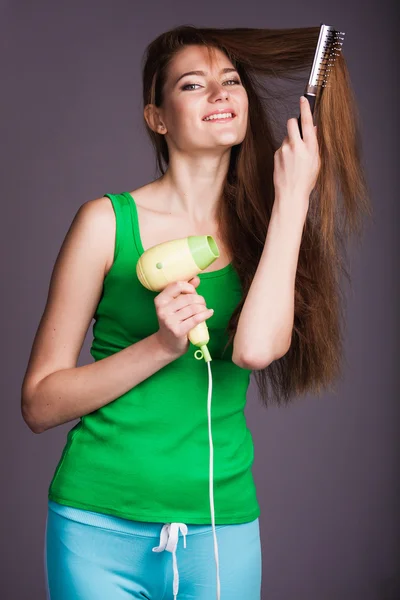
169	541
169	532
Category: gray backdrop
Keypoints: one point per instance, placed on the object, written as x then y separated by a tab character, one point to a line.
71	130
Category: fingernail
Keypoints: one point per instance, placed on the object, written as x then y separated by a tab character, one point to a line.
302	98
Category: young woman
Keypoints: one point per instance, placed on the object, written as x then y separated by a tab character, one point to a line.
133	476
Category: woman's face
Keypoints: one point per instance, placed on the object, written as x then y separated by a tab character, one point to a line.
188	99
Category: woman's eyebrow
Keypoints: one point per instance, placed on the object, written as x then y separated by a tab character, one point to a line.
202	73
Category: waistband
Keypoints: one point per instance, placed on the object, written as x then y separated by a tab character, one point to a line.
120	524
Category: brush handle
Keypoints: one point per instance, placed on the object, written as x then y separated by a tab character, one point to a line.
311	100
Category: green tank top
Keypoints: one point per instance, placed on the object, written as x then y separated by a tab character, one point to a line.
145	455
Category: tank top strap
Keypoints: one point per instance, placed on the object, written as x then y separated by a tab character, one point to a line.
134	220
126	223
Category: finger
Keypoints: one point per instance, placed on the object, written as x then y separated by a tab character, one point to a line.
181	287
293	130
307	124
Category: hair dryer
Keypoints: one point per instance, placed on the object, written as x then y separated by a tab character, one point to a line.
179	260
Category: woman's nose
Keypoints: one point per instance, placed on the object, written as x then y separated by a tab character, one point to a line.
219	91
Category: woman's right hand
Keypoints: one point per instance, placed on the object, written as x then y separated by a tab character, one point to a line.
179	308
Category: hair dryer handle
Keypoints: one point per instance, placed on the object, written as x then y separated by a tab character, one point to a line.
200	337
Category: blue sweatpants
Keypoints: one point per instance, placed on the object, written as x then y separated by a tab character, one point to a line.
94	556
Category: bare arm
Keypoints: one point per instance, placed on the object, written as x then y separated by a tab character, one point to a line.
55	390
265	324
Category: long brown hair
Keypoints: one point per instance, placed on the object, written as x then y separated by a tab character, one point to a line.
338	202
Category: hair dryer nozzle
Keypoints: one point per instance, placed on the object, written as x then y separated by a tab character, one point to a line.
204	250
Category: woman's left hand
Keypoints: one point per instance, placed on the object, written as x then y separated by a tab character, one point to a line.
297	162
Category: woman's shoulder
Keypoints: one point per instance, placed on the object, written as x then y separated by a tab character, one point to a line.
102	212
98	215
96	208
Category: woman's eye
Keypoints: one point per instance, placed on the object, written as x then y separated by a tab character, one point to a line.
188	85
237	81
234	81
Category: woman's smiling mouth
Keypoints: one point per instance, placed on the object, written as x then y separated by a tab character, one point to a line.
220	117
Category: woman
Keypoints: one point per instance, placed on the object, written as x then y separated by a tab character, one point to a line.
134	471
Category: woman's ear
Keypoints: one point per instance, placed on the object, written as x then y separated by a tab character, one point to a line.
153	119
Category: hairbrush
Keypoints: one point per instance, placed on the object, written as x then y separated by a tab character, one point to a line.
329	45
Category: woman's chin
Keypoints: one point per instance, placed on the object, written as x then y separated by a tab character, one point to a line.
227	138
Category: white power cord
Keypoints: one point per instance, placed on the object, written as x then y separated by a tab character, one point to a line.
211	479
